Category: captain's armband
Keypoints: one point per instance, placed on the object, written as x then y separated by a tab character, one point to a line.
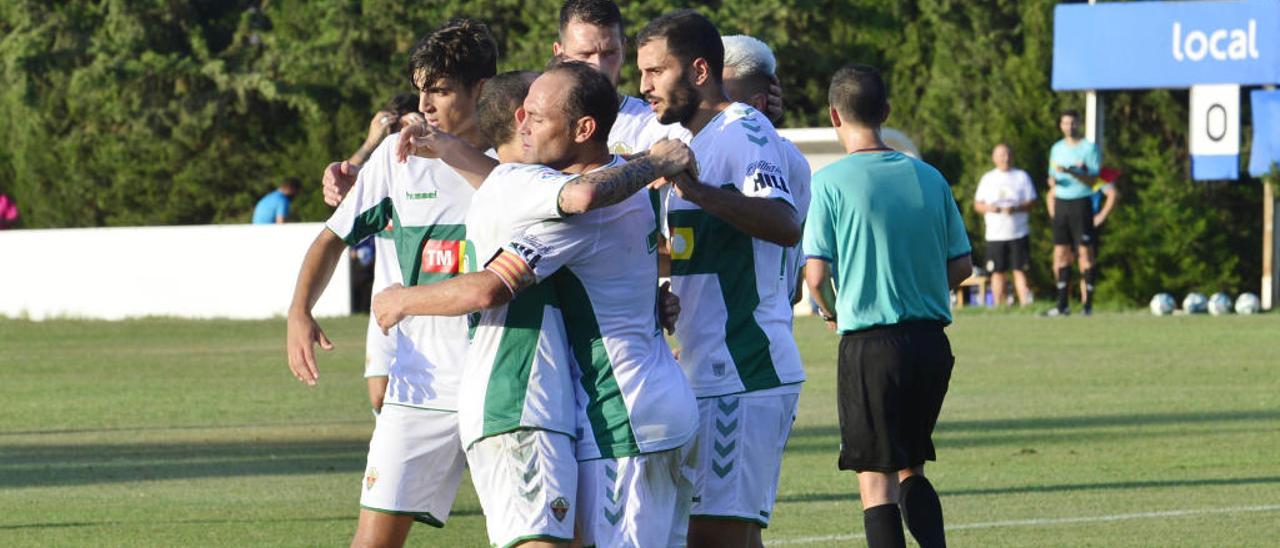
514	272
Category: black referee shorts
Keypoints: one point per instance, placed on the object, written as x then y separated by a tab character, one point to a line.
890	384
1073	222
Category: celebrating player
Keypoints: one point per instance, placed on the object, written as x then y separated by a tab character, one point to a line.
728	233
415	457
518	416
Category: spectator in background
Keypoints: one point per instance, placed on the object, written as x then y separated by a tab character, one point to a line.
1005	195
8	212
274	207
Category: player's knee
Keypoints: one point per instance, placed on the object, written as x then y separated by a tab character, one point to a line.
379	530
908	472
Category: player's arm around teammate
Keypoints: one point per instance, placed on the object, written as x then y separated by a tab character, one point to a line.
506	273
764	218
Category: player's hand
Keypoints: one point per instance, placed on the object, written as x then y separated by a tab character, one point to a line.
411	118
380	126
423	140
831	324
303	333
338	179
1099	219
668	307
672	156
386	307
687	187
773	102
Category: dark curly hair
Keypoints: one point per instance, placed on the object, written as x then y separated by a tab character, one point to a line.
462	49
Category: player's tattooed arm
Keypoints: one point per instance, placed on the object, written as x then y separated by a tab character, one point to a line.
609	186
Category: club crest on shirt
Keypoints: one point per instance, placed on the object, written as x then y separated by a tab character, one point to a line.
559	508
370	478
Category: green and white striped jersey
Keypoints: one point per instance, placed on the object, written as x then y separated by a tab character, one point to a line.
518	369
735	322
423	204
632	396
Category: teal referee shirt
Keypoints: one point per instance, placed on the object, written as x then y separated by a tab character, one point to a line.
888	224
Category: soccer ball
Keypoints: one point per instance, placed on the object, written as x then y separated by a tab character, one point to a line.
1195	303
1219	304
1162	304
1247	303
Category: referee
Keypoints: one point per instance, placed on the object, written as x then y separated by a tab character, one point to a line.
890	226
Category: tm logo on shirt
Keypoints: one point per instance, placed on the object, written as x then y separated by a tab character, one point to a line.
443	256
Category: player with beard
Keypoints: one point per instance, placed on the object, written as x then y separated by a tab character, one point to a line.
729	232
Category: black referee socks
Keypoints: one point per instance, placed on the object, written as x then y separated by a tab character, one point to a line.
922	511
1090	276
884	526
1064	286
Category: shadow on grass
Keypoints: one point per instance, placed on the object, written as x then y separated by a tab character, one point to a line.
74	464
1057	430
320	519
75	524
183	428
1058	423
1062	488
1102	421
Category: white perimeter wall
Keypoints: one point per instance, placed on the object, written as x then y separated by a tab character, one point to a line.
213	271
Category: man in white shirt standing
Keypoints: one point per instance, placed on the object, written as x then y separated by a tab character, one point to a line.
1005	195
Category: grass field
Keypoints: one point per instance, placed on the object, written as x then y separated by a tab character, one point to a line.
1115	430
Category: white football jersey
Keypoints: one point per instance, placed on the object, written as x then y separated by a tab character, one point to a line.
798	175
518	369
422	204
637	128
735	322
633	397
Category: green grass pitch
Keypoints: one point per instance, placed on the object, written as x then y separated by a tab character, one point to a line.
1117	430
